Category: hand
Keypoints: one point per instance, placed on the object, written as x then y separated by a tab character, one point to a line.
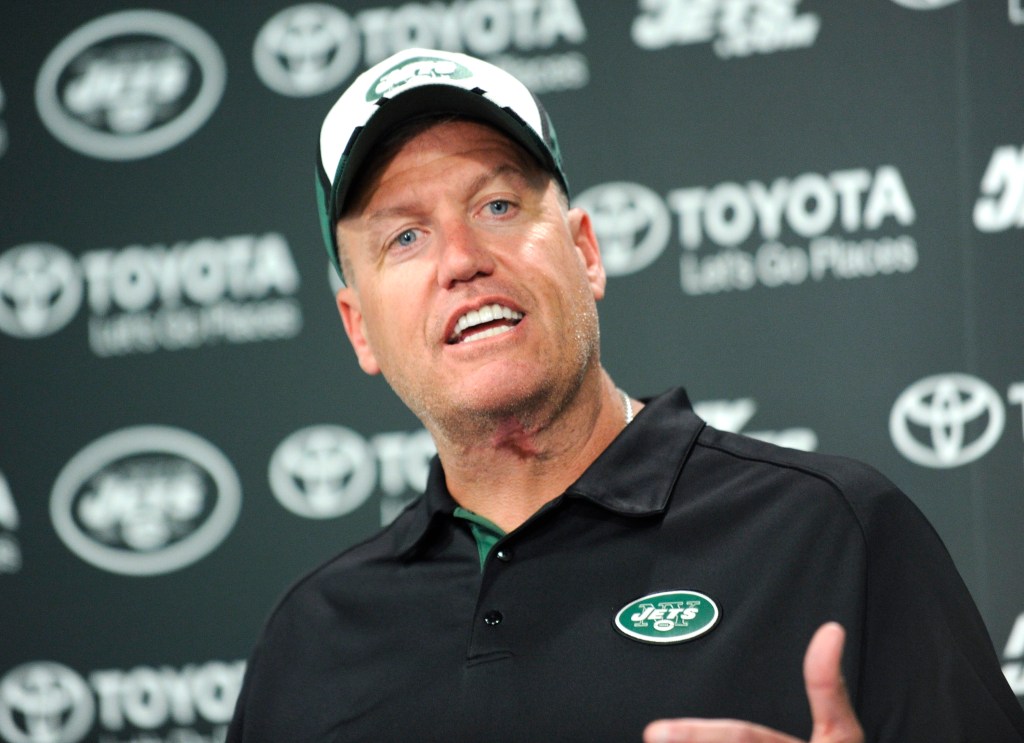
831	711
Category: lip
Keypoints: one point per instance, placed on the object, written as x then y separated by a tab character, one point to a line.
476	304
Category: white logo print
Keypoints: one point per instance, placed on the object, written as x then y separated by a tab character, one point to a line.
40	290
419	71
810	208
631	222
735	29
10	551
733	416
8	513
130	84
322	472
1001	203
136	704
145	500
192	293
924	4
44	703
327	471
141	299
946	420
784	232
1016	11
1013	657
311	47
306	49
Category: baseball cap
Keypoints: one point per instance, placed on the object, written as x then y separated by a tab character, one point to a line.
413	83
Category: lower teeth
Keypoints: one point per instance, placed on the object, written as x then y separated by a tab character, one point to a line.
489	333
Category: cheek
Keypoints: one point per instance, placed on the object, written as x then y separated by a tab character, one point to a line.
376	331
394	323
546	248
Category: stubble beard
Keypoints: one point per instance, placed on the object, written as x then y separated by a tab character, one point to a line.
529	405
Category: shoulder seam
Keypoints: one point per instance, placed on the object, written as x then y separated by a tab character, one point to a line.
841	494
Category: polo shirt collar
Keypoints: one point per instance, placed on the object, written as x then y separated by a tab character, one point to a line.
634	476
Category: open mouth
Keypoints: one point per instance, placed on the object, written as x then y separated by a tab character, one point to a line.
486	322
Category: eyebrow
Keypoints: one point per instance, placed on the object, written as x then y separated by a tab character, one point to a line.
505	169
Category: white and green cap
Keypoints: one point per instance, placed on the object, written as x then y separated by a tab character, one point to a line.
414	83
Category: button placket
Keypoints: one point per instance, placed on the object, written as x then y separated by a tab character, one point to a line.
501	554
493	618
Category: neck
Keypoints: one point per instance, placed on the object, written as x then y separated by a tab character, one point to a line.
510	467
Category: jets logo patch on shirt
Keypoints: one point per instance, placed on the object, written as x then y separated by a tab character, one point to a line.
668	617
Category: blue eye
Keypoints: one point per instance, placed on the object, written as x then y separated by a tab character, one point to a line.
499	207
406	238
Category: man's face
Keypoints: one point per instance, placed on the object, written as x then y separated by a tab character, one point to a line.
473	287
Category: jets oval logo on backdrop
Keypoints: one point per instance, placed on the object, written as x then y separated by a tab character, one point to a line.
668	617
130	84
145	500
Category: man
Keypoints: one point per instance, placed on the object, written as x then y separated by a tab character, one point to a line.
583	565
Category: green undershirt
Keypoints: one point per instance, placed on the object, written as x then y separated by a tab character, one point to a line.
485	532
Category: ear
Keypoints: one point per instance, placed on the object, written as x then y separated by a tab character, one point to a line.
586	244
352	317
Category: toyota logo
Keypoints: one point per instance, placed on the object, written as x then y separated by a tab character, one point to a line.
40	290
632	225
44	702
323	472
306	50
947	420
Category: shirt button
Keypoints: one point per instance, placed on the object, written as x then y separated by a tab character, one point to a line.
504	554
493	618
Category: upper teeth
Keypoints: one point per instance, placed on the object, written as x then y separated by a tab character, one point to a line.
487	313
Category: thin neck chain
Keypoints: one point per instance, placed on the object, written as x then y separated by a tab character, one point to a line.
628	405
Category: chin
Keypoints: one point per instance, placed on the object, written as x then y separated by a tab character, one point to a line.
502	393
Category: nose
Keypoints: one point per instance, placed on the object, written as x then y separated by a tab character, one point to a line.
463	255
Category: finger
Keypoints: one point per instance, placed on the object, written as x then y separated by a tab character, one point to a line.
712	731
831	710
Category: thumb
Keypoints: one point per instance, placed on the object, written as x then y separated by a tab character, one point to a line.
831	710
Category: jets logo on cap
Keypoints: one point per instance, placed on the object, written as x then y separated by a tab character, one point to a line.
415	71
668	617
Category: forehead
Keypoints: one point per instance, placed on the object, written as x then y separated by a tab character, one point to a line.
441	147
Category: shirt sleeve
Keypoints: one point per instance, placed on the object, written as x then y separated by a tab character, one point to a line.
928	671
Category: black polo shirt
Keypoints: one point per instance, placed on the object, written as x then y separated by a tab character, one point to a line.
405	638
